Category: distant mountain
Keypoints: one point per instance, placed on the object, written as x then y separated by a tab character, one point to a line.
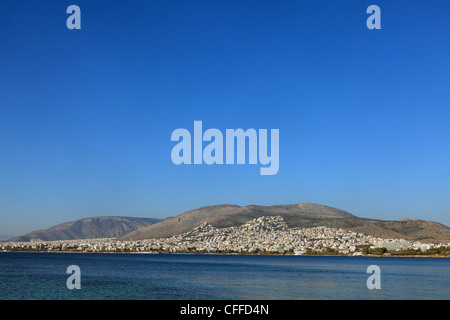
409	229
302	215
89	228
228	215
5	236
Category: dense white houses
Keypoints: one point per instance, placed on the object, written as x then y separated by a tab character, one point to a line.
268	234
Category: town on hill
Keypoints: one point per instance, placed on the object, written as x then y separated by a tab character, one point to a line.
263	235
301	215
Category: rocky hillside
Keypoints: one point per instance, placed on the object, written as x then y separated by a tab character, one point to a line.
222	216
302	215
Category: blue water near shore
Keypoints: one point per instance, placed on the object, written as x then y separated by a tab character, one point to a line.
211	277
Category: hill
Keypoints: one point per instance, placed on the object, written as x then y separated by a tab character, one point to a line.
5	236
302	215
89	228
228	215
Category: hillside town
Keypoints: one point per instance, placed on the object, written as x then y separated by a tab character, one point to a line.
263	235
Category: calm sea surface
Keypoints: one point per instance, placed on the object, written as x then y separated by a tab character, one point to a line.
211	277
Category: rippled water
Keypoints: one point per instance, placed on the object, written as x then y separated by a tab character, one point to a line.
171	277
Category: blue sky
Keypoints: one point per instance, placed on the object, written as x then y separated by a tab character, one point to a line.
86	115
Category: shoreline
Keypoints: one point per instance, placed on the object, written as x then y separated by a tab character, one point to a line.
233	254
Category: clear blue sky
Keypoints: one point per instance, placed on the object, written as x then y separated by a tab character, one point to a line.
86	115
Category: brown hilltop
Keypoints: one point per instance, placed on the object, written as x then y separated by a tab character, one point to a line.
302	215
88	228
228	215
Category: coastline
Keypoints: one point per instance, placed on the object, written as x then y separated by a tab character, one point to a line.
233	254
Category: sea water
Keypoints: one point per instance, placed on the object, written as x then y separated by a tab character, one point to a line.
108	276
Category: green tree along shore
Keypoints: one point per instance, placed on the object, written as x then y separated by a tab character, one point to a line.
367	251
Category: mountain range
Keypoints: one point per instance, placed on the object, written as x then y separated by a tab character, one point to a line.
89	228
303	215
228	215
